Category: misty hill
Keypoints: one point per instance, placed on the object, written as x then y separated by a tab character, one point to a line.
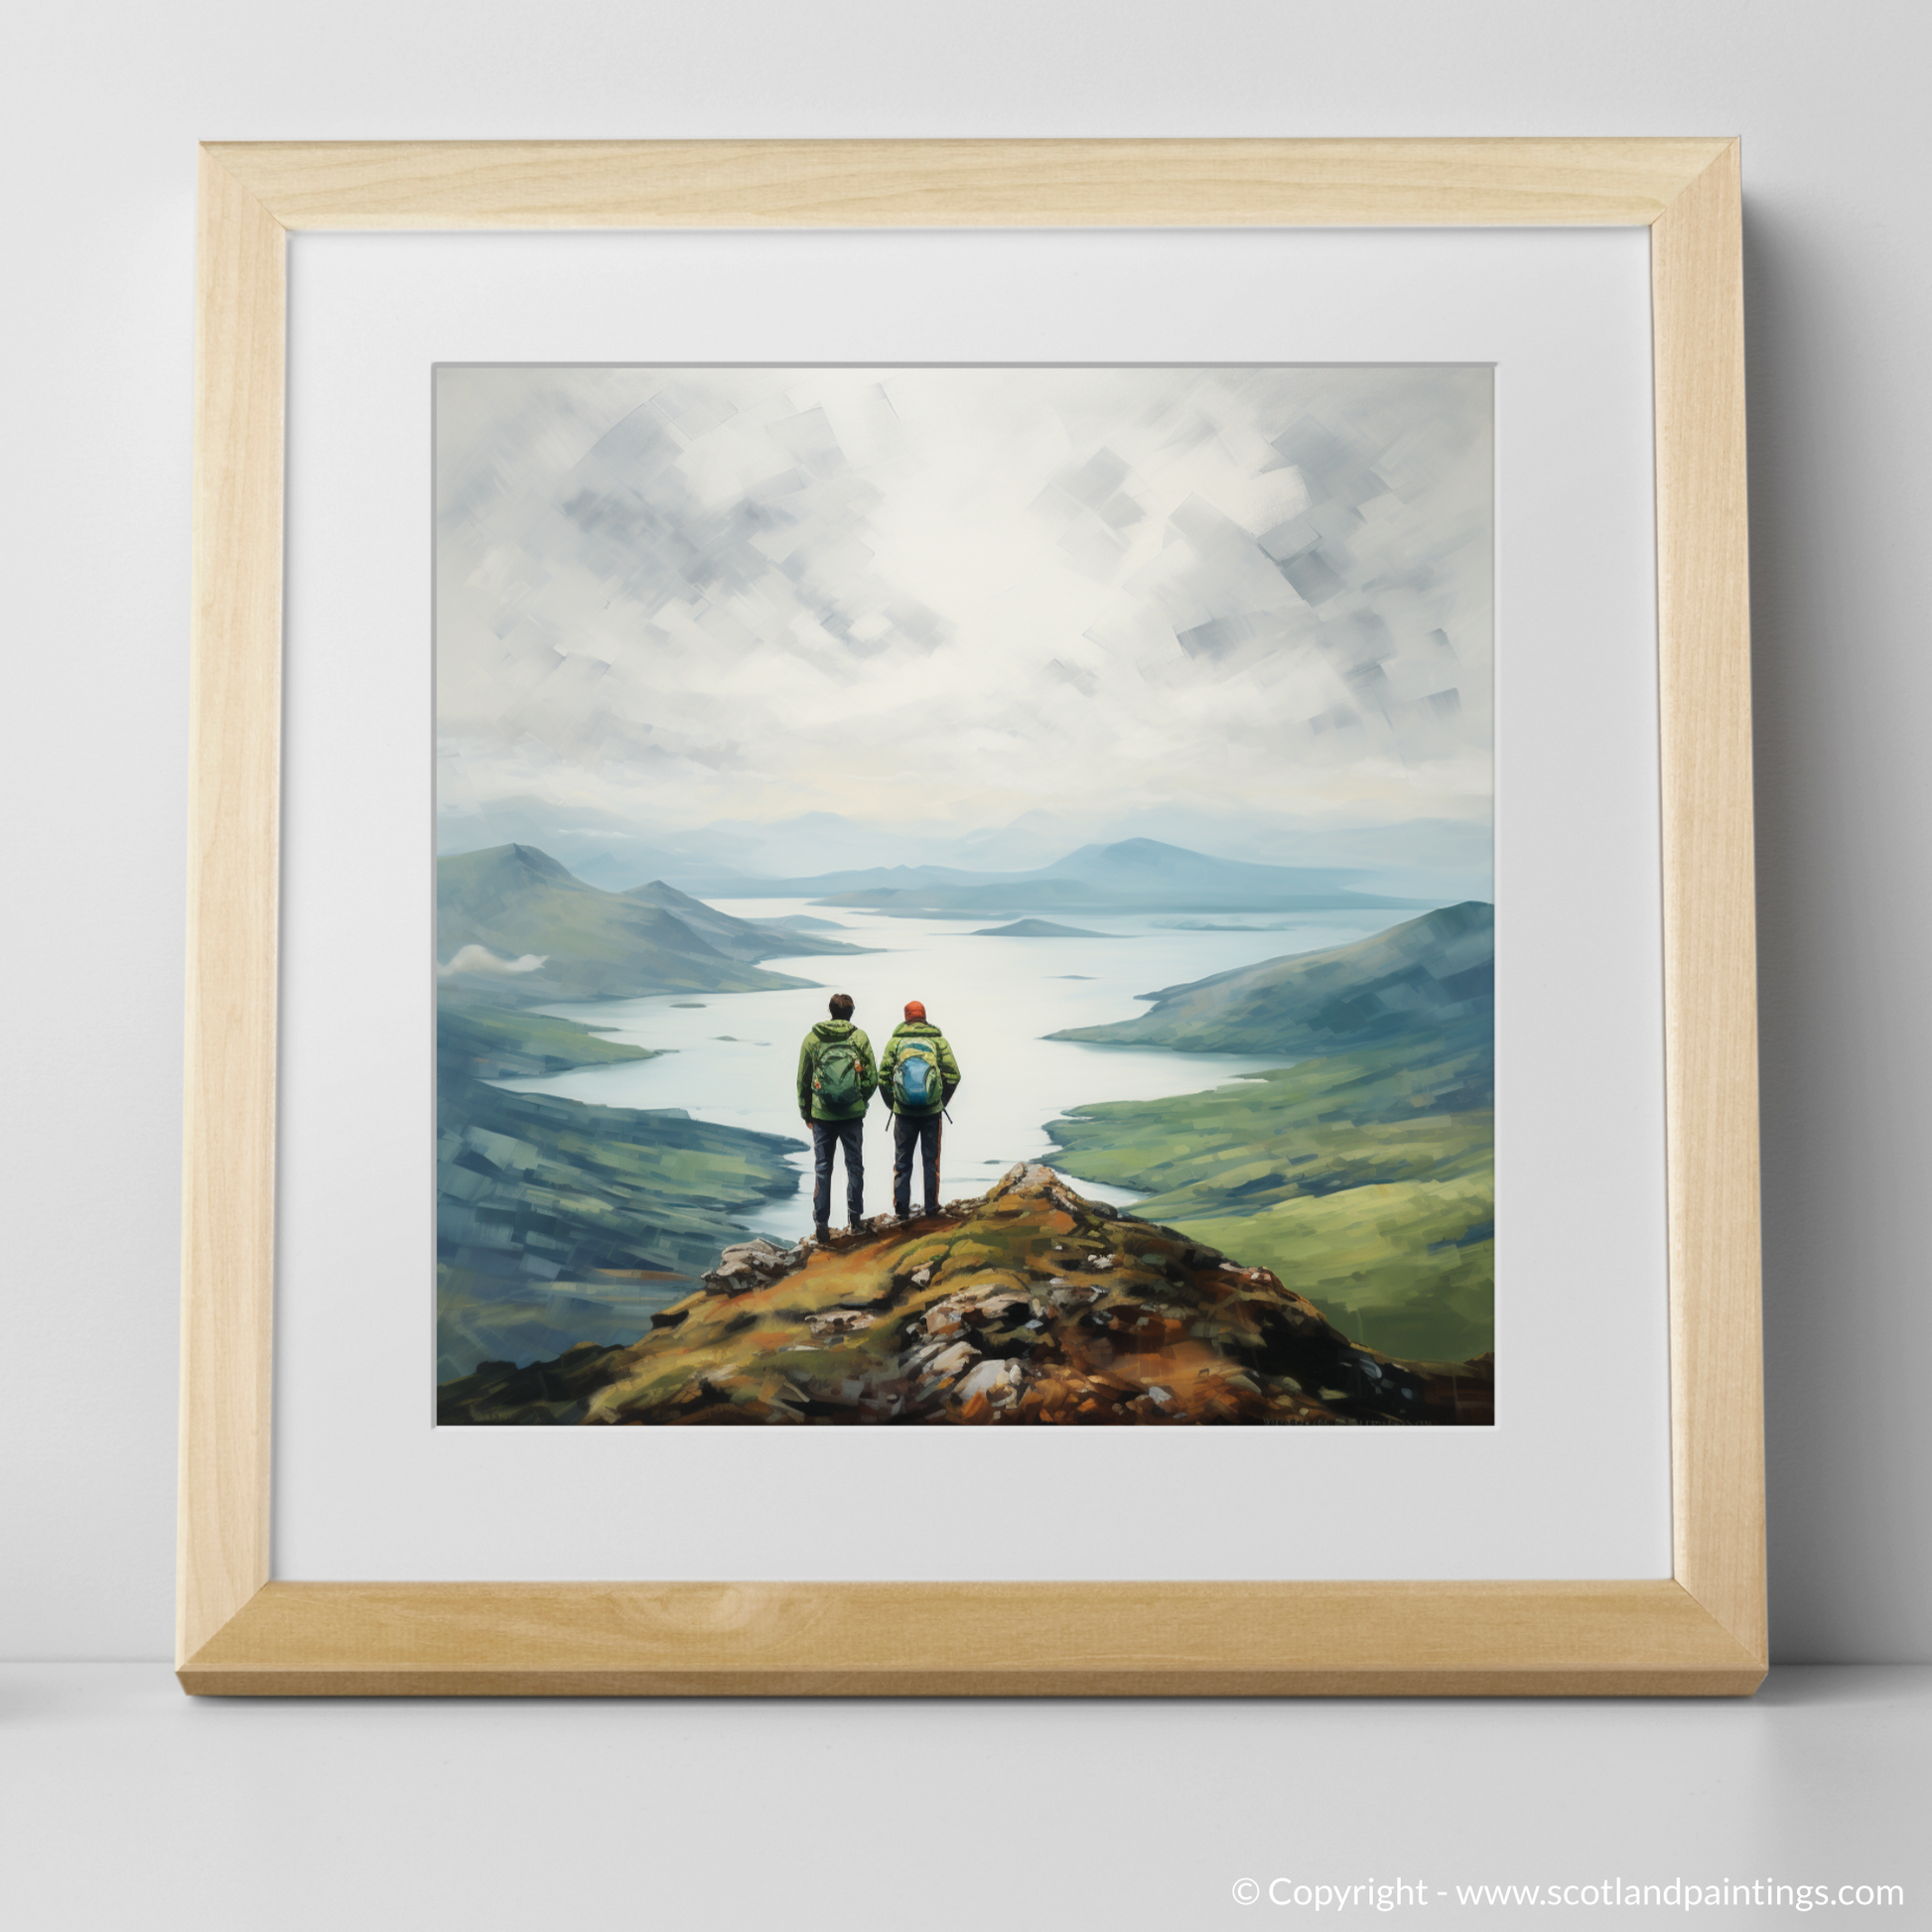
1148	865
1038	930
1128	875
1026	1305
749	940
861	879
559	1221
476	1042
1427	973
516	904
1434	861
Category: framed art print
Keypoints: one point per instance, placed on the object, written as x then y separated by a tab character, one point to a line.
1013	911
762	691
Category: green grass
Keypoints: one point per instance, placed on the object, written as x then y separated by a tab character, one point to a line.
540	1199
1428	975
1394	1266
593	944
1365	1181
567	1187
493	1042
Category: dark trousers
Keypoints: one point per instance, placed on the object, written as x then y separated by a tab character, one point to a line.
828	1136
911	1130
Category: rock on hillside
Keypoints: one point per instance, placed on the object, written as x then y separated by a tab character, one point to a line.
1029	1304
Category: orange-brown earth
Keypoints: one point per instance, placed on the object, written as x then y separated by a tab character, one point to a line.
1029	1304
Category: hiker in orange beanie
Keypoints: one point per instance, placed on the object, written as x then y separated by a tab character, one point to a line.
918	1076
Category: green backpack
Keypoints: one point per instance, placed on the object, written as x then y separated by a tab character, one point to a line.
839	1076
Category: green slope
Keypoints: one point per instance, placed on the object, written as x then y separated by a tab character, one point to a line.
1364	1179
548	1210
1435	971
490	1043
517	901
559	1222
735	938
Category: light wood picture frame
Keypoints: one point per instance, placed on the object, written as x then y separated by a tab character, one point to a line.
1700	1632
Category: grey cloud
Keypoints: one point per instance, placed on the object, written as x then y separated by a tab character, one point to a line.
1094	481
1222	638
658	584
1081	680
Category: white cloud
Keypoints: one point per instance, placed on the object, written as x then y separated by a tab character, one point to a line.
966	594
480	959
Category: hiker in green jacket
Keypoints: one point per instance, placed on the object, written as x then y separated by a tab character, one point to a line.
918	1074
836	1079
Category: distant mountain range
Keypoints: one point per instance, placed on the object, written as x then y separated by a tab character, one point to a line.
1132	876
1431	972
513	926
1433	860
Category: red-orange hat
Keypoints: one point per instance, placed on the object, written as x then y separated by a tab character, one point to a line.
915	1008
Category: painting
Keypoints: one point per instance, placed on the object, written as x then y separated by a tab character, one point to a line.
964	895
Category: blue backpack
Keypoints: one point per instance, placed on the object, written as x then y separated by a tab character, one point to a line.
916	1085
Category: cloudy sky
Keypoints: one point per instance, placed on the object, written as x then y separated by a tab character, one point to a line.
959	595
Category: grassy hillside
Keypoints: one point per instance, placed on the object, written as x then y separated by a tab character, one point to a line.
519	903
490	1043
544	1203
745	939
559	1222
1364	1179
1026	1306
548	1186
1435	971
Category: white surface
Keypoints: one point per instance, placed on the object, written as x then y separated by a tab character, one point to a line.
103	105
367	1489
129	1805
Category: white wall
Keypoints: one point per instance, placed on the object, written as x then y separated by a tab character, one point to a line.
102	108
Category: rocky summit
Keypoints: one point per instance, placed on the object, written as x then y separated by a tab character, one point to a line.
1029	1304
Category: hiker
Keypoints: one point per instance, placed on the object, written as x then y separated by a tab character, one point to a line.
918	1076
836	1079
